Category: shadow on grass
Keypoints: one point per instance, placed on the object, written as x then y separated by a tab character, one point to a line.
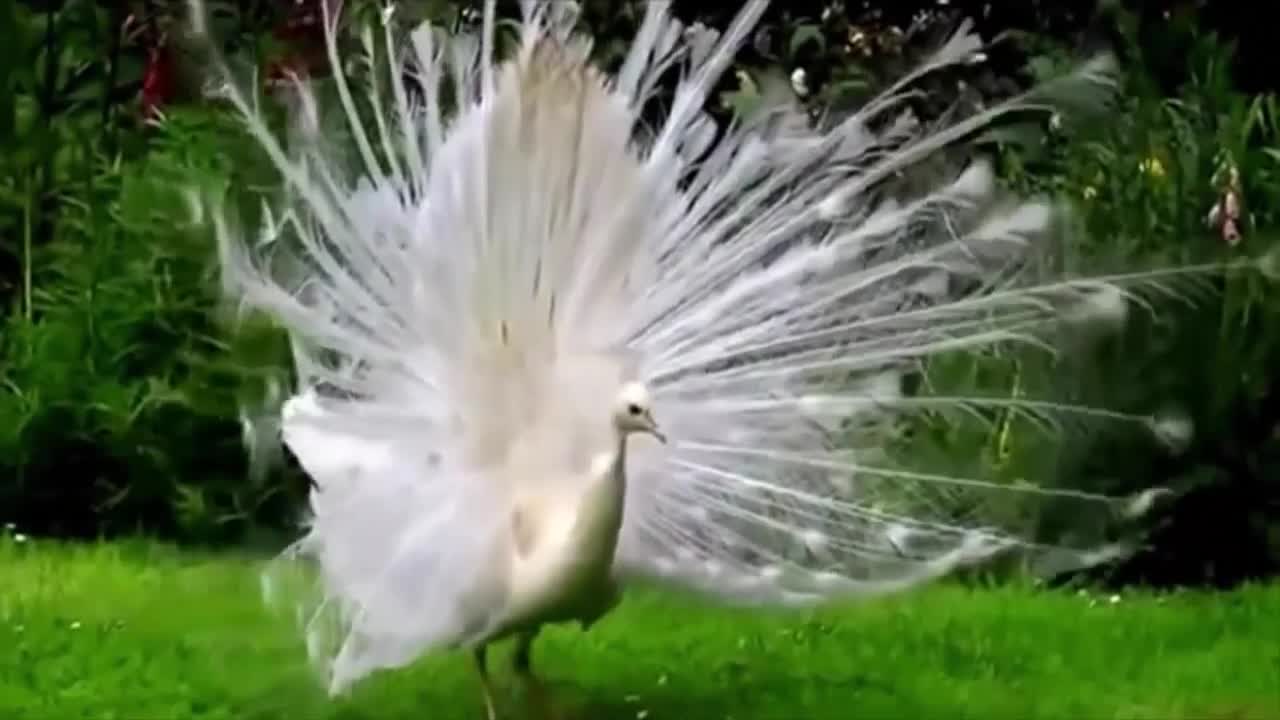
753	693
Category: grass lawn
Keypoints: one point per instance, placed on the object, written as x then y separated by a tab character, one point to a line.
139	632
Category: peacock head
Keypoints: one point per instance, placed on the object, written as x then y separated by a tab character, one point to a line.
632	412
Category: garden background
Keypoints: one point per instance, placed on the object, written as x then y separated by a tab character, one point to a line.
133	519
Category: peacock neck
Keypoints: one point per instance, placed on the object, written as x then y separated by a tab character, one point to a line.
599	521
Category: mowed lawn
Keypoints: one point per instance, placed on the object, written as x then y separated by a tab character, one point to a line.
137	631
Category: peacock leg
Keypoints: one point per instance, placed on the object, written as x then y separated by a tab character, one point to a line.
479	655
522	663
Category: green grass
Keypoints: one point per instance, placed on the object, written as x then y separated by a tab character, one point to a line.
139	632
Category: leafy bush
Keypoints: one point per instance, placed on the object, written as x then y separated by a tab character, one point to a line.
122	391
120	404
1206	371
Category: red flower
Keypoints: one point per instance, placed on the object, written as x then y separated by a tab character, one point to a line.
157	80
302	32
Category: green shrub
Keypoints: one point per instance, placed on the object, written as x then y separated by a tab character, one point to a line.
121	389
1144	184
120	399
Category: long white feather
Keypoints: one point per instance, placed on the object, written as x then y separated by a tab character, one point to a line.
513	241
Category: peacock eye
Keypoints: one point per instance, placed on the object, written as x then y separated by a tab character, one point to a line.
634	409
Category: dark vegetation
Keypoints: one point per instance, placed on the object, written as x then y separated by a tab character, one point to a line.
121	391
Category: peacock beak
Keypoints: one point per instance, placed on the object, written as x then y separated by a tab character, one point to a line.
651	427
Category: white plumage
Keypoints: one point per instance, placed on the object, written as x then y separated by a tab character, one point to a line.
494	271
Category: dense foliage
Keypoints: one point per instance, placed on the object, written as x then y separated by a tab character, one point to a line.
122	391
1161	184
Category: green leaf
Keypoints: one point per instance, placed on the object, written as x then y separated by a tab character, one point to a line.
803	34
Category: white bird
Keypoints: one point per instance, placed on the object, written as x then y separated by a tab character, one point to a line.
499	281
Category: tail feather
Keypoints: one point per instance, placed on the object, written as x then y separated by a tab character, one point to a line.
786	272
426	285
370	596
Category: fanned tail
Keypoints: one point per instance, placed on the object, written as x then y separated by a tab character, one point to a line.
468	249
450	257
374	583
353	262
792	287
